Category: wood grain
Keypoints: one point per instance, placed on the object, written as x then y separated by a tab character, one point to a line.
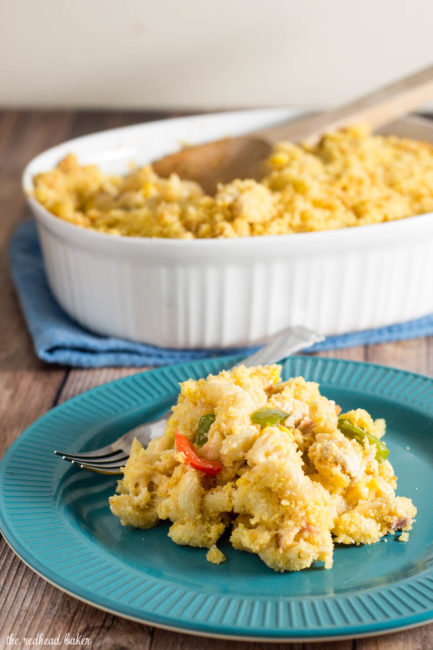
28	605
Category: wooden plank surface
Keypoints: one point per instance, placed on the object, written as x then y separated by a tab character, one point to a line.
28	605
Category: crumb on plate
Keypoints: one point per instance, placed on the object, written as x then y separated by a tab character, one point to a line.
215	556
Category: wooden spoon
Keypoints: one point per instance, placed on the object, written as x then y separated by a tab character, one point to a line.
243	157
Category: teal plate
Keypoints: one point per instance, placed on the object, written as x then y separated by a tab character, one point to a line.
56	518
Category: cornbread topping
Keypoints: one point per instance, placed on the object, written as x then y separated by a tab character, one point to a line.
350	178
276	463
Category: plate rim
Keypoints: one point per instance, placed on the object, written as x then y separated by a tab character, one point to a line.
370	628
211	635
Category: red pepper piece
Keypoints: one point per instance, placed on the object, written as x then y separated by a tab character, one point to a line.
184	446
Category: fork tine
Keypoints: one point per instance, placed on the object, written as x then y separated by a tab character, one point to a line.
92	455
115	466
95	467
107	465
110	471
119	461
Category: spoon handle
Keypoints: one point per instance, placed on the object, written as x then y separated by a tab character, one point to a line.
376	109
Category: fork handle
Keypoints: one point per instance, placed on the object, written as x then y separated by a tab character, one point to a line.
290	340
286	342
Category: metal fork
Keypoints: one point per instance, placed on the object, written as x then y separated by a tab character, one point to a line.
111	458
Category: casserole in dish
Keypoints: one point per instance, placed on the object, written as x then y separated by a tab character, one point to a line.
220	293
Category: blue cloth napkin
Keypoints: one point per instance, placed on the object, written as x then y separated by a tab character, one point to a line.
59	339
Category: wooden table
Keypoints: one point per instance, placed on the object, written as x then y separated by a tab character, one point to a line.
28	605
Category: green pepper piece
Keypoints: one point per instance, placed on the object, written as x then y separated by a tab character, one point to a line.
351	430
268	417
204	424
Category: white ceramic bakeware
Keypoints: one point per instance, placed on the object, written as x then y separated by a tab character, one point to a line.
228	292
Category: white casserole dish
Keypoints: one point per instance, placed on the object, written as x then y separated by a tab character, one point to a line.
230	292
